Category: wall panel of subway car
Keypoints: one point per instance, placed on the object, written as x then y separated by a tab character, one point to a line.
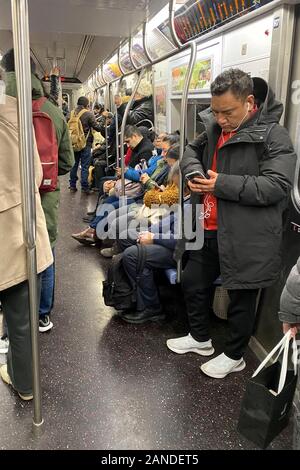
150	224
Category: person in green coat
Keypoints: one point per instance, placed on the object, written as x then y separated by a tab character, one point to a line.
50	200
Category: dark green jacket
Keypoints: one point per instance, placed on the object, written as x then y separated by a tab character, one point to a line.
50	201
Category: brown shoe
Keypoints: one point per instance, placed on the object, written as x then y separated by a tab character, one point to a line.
6	379
87	237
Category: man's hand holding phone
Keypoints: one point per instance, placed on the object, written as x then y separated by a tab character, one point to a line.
199	183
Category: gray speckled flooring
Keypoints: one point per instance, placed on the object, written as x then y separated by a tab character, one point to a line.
110	385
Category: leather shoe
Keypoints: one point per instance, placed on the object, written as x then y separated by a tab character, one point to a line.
87	237
144	316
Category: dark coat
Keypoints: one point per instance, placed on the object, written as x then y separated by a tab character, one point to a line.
256	169
140	110
142	151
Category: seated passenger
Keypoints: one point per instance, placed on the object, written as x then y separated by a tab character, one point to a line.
141	150
14	294
155	194
159	244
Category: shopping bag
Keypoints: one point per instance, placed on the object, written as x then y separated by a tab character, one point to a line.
269	397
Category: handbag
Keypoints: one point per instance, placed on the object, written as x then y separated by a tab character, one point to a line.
132	189
269	397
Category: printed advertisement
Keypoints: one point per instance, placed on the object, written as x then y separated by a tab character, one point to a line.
201	77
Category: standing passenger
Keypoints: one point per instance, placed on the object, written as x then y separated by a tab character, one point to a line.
250	162
83	157
13	268
50	200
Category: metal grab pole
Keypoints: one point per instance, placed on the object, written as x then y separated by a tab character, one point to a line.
117	132
175	38
125	115
183	112
106	131
23	75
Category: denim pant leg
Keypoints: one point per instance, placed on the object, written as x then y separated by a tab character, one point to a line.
157	257
86	156
15	303
73	172
47	290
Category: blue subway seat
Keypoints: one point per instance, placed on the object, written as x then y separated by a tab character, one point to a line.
172	277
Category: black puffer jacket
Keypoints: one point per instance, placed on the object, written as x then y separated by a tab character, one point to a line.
256	169
140	110
89	123
143	151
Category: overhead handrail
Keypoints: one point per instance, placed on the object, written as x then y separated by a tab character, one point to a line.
130	54
172	5
137	84
215	32
145	43
23	74
119	61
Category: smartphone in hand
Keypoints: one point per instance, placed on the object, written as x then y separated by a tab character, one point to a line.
196	174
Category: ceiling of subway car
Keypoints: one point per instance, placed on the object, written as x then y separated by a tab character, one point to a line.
79	33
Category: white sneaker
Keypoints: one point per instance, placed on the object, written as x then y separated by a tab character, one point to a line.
4	343
187	344
45	324
221	366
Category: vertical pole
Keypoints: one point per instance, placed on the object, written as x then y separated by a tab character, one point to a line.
183	113
106	105
23	75
142	73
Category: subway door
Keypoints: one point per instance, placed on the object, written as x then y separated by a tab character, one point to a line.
268	329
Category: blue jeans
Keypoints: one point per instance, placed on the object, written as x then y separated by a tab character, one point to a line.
47	290
83	157
114	202
157	257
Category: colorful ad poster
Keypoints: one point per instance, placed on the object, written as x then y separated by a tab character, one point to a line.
161	107
201	76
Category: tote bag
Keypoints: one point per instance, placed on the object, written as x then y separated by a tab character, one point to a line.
269	397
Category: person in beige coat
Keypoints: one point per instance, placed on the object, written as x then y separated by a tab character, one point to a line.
13	269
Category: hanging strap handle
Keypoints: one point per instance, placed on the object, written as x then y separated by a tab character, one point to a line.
283	345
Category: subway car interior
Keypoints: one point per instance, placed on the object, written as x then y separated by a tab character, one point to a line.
104	379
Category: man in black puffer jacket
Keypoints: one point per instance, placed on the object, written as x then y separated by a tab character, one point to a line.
249	162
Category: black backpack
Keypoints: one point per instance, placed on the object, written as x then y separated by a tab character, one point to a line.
117	289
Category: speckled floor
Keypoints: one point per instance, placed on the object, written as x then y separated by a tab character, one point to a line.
110	385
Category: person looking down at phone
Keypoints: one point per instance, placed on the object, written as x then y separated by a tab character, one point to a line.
249	160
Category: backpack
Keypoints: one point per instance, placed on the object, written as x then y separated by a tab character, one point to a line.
117	289
46	141
78	139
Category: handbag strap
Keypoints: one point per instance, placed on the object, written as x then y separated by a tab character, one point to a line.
283	345
141	260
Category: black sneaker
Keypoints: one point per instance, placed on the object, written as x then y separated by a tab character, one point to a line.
45	324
